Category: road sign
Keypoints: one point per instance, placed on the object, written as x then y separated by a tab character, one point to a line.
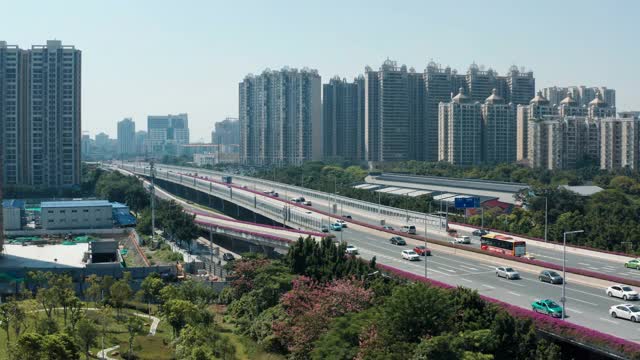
466	202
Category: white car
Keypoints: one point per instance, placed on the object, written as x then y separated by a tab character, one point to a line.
351	250
341	222
622	291
410	255
625	311
507	273
462	240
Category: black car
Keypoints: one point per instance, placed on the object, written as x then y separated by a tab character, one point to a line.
347	216
397	240
479	232
228	257
550	276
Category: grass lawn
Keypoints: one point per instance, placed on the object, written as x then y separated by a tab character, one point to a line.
146	347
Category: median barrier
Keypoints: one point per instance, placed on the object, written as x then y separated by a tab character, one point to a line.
604	343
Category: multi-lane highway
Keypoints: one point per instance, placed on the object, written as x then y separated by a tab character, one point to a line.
587	303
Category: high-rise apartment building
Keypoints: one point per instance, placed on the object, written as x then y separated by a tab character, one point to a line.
166	133
538	107
581	94
141	142
280	117
520	86
226	132
545	142
480	83
498	130
126	137
342	124
439	85
620	143
460	135
598	107
40	115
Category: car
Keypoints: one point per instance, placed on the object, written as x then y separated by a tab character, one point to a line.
388	227
550	276
308	212
346	216
625	311
410	255
228	257
507	273
479	232
336	227
548	307
633	264
397	240
342	223
308	203
622	291
452	232
324	228
189	202
409	229
461	240
275	194
351	250
529	256
422	250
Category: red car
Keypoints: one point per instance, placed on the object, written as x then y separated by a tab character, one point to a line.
422	250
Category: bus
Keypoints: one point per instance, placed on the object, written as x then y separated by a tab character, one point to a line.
503	244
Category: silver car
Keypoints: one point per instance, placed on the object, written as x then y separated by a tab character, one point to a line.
507	273
625	311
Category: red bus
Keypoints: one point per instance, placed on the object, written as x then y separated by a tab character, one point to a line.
503	244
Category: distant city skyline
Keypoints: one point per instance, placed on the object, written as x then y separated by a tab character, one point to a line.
193	66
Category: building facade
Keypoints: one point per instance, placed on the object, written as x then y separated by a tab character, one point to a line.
583	95
40	115
538	108
79	214
280	117
126	137
343	125
166	133
498	130
619	143
460	135
227	132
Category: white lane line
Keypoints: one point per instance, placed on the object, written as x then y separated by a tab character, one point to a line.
467	280
572	310
513	282
514	293
592	268
469	267
488	286
585	264
582	301
448	270
609	267
608	320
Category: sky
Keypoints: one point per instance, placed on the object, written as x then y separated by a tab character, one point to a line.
154	57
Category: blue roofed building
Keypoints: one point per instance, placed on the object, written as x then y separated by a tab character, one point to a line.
76	214
122	216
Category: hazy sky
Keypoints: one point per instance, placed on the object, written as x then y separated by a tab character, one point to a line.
159	57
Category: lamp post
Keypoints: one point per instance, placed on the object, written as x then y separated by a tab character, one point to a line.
546	223
563	300
426	273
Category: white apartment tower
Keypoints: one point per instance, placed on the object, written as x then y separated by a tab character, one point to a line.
126	137
498	130
460	135
619	143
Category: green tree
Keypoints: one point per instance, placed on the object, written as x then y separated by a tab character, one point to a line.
29	347
87	334
135	326
120	292
59	346
177	313
151	287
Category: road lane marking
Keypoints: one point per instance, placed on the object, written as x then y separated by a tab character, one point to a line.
571	310
488	286
585	264
593	268
467	280
608	320
469	267
582	301
448	270
513	282
514	293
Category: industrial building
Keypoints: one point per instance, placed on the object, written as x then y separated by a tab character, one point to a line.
13	214
84	214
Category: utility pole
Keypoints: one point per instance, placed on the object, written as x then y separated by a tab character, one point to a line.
152	190
546	222
563	300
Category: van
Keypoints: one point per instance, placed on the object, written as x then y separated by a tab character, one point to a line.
409	229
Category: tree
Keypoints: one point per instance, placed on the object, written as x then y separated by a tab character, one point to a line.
104	318
151	287
135	326
201	342
59	346
120	292
87	334
177	313
29	346
94	291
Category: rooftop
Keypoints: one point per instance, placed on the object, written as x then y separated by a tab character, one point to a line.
75	203
46	256
13	204
584	190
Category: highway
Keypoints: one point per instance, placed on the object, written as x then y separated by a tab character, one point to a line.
587	304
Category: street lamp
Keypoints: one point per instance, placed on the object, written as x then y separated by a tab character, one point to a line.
426	273
563	300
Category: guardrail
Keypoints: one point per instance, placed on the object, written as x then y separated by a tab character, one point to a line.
247	235
434	222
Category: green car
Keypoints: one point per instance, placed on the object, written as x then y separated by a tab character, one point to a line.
548	307
633	264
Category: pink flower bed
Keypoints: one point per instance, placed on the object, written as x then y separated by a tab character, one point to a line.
542	322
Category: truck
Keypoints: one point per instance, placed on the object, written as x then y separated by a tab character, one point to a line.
226	179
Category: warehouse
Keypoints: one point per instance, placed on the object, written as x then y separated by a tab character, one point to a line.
76	214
